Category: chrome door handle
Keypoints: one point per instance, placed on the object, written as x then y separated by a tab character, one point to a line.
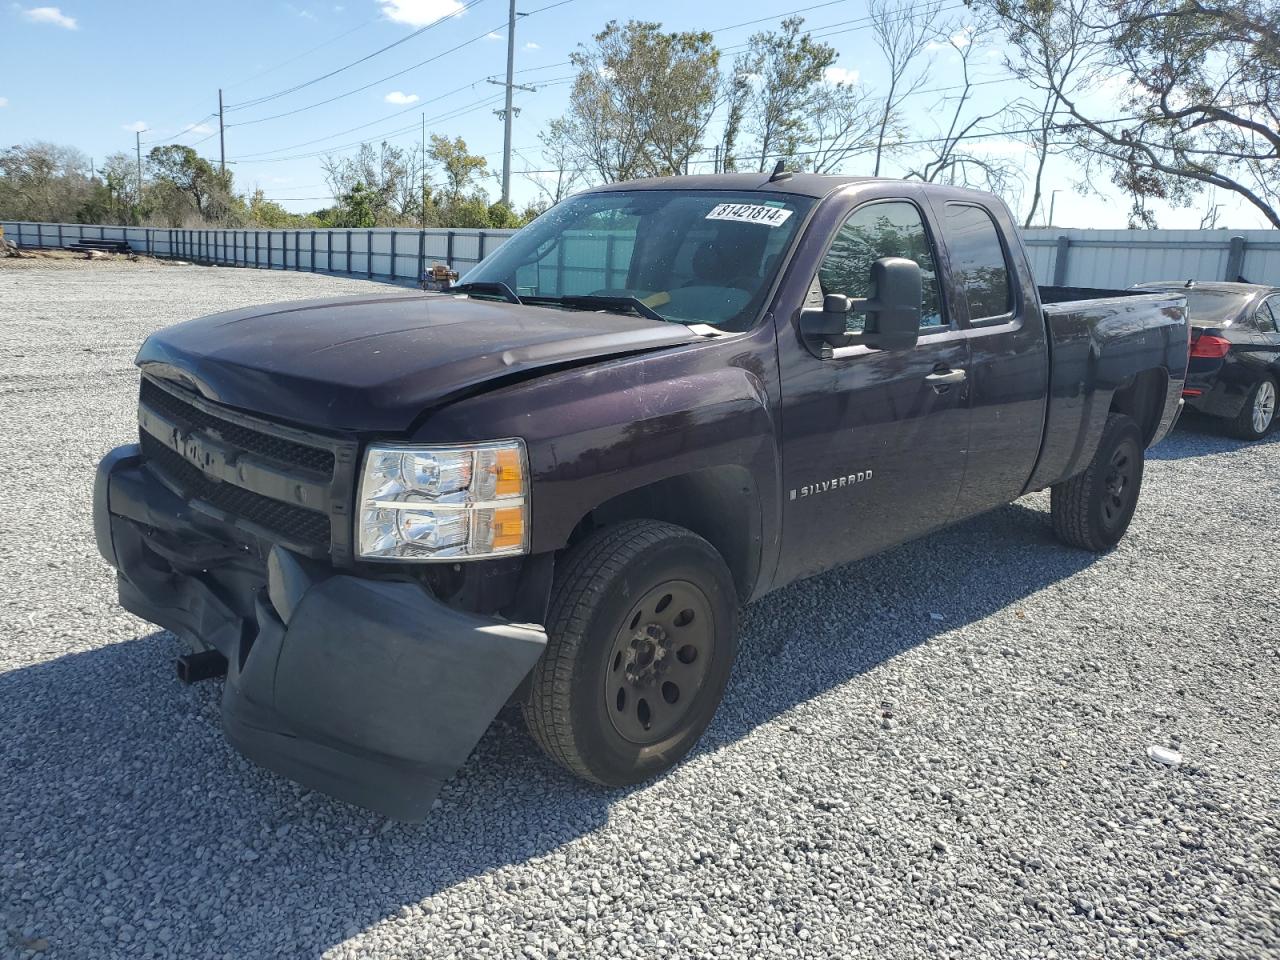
942	378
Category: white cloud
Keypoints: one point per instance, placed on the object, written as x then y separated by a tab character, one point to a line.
138	126
4	101
957	41
532	46
50	15
198	128
493	36
840	75
401	99
419	13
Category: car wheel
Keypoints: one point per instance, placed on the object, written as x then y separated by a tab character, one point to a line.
1092	510
1258	413
642	633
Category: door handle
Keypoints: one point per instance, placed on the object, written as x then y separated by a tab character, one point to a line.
944	378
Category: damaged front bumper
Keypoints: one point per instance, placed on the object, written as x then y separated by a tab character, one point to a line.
370	690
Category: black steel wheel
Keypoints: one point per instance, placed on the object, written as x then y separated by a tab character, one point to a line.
641	637
659	661
1093	509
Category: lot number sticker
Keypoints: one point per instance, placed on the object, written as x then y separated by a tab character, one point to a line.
749	213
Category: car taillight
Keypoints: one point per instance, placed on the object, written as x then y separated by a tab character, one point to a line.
1207	345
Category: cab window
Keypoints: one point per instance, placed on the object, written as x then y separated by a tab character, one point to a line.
978	263
890	229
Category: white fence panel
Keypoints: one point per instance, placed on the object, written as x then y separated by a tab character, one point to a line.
1081	258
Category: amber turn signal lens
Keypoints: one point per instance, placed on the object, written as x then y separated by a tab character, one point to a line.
510	473
508	528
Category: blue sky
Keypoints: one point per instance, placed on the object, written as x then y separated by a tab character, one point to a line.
88	72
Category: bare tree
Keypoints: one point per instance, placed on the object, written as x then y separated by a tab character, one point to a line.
844	121
560	156
1195	93
903	30
956	156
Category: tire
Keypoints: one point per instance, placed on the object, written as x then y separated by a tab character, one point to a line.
1092	510
627	685
1258	414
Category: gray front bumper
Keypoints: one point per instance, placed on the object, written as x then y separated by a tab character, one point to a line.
369	690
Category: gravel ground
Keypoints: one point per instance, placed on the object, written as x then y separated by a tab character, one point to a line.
938	752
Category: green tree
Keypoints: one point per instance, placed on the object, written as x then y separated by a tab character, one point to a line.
462	169
641	100
186	186
786	69
357	207
44	181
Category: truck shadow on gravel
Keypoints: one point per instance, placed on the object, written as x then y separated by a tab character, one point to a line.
128	820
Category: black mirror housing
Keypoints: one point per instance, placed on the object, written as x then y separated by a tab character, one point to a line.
893	315
828	327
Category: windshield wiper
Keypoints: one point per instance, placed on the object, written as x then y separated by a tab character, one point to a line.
487	286
588	302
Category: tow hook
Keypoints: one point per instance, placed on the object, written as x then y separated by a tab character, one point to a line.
205	665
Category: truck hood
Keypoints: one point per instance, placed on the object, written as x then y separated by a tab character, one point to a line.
376	364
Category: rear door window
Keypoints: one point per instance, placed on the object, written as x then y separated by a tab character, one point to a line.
978	262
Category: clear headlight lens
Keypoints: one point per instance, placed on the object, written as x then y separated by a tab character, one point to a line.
458	502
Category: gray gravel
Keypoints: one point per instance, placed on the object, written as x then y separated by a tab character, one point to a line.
942	751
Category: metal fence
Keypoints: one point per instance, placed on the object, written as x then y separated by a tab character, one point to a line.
1120	258
1081	258
376	254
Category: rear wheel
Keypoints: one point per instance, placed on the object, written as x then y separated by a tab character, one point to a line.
642	632
1258	413
1093	510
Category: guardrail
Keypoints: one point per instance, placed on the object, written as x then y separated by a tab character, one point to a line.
372	253
1082	258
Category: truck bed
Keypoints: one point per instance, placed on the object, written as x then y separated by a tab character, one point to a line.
1099	341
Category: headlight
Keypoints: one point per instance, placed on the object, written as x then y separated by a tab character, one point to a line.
459	502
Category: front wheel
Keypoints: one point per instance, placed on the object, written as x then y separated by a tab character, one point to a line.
1092	510
1258	413
642	632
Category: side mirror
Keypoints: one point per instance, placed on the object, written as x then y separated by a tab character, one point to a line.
893	315
828	327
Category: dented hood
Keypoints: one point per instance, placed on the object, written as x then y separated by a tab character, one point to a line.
377	363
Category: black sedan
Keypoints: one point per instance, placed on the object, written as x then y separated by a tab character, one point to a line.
1234	370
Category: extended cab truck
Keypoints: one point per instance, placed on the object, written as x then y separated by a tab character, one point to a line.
557	482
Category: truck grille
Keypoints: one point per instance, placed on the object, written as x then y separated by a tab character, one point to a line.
277	448
294	524
249	470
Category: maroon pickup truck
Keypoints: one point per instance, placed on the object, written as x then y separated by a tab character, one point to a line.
557	482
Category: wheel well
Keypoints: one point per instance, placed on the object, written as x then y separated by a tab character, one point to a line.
719	505
1142	398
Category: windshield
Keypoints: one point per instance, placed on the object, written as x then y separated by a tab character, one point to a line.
1209	308
1216	308
689	256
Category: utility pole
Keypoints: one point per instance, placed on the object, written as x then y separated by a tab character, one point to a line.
222	141
137	147
422	219
508	111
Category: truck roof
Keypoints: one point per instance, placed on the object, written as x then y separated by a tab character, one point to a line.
802	184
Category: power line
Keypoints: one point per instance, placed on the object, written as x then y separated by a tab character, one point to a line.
369	56
398	73
304	53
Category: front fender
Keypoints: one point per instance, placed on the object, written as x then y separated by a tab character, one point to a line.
595	433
